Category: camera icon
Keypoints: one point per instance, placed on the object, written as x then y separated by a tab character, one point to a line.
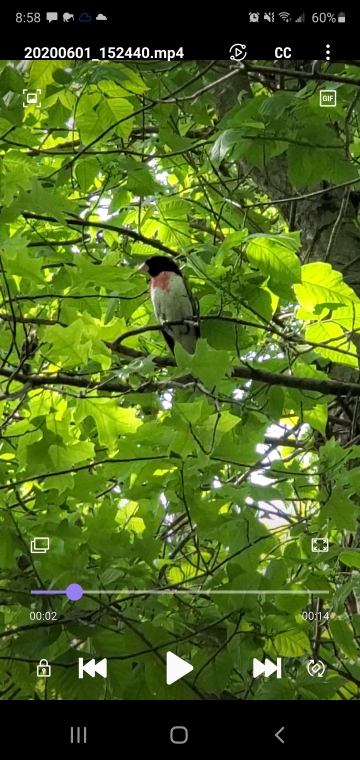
319	544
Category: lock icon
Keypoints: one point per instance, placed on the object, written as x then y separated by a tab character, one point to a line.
43	669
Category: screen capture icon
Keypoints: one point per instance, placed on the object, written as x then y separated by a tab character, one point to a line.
40	545
238	52
91	668
31	97
176	668
268	668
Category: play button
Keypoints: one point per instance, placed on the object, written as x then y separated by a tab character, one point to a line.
176	668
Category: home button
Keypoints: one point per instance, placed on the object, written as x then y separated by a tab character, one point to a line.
179	735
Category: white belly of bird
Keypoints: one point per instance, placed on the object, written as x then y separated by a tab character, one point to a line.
172	307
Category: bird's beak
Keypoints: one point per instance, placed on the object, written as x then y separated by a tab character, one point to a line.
143	268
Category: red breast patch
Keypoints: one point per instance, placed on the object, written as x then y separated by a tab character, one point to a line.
162	281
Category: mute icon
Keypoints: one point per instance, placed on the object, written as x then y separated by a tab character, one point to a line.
268	668
91	668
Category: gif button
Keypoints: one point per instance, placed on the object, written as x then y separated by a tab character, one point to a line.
328	98
179	735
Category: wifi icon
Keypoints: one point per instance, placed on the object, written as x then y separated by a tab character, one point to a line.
285	16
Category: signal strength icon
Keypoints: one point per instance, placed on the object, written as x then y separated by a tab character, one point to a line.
300	19
285	16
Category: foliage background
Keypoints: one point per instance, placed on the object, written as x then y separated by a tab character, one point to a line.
211	472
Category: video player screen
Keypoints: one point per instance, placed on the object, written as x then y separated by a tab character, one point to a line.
179	370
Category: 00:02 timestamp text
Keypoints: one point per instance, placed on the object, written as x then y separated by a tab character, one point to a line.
105	53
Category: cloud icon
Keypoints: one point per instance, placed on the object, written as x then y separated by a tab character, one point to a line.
101	17
84	17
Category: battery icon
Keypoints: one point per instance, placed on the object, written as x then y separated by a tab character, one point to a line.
341	18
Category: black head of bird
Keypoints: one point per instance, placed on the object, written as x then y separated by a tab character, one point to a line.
155	265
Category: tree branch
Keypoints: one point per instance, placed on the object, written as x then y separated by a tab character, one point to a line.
327	387
315	76
104	226
78	468
30	320
291	338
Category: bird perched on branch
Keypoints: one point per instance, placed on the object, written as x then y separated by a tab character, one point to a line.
173	301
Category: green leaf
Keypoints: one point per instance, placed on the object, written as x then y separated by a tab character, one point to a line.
343	637
66	457
11	81
8	546
292	643
322	285
206	364
214	676
128	78
20	264
224	335
342	593
42	202
41	72
86	171
317	417
69	344
279	689
348	316
224	143
114	110
273	107
18	175
307	165
111	420
333	336
275	256
62	77
350	558
89	126
141	181
341	510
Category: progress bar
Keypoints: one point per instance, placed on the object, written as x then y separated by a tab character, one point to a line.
204	591
75	591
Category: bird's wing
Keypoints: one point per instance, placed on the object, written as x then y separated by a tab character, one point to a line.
169	339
